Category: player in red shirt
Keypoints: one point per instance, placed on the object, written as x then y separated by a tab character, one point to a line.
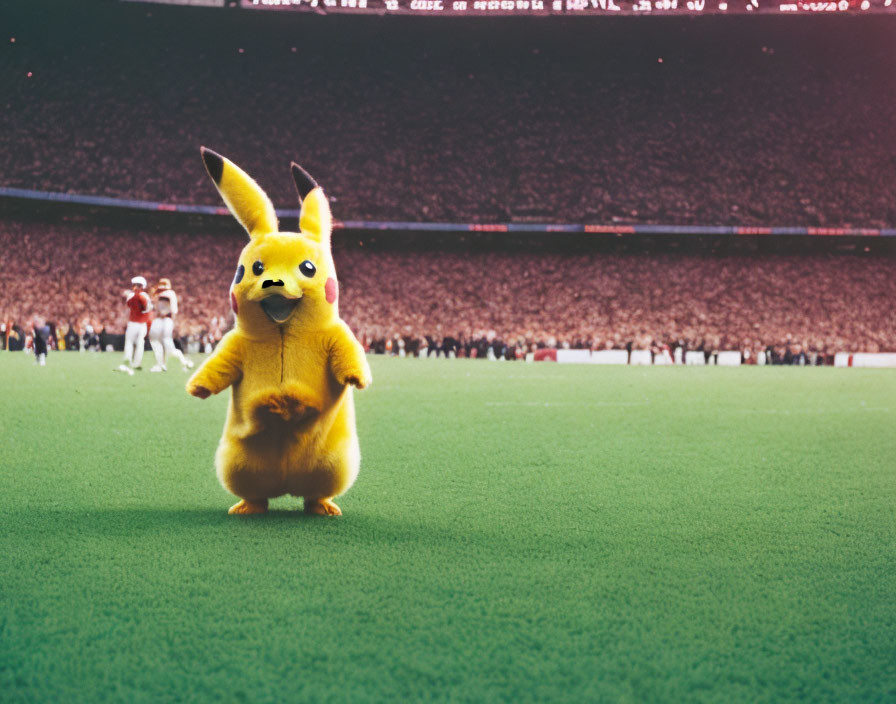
139	307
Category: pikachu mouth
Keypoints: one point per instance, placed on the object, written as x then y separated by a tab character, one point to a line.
278	308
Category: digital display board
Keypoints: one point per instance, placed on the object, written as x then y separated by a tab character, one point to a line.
195	3
577	7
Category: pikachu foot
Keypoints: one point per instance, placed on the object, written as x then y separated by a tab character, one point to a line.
244	507
322	507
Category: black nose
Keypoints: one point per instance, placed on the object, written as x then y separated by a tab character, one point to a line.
269	282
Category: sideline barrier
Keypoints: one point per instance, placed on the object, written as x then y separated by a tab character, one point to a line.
573	356
641	357
664	358
695	358
728	359
881	360
510	227
877	361
609	357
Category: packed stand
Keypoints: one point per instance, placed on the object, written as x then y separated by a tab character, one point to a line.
467	303
751	121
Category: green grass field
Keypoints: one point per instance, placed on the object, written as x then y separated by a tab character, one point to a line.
518	533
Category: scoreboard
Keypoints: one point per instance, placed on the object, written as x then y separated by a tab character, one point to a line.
577	7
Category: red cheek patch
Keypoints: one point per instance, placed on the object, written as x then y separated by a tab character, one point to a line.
233	306
332	290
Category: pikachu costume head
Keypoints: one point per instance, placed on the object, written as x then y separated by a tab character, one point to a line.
290	360
283	278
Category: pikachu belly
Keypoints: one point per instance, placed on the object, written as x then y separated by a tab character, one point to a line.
282	380
316	457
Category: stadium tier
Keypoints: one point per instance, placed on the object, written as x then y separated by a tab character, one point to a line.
525	296
714	121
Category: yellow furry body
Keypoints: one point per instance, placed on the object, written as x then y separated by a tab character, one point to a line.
290	426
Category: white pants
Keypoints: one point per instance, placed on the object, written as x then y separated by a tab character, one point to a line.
133	343
161	338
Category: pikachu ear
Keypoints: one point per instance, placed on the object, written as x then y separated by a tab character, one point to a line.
243	196
315	219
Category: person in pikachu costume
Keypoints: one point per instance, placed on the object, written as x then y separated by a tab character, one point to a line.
290	359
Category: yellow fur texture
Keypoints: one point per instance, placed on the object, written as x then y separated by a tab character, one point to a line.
290	359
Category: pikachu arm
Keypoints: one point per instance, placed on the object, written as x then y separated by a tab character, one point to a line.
347	359
222	368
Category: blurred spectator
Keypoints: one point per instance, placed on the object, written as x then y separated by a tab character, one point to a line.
72	341
16	338
40	337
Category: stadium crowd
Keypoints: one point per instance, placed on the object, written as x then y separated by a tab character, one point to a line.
729	121
725	122
457	302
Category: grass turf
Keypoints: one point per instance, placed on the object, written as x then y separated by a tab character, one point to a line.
518	532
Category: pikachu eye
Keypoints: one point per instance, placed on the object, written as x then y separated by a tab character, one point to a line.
258	268
307	268
240	270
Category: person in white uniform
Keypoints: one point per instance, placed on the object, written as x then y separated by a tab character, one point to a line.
161	332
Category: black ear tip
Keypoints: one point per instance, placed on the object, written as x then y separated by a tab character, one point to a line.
214	163
304	183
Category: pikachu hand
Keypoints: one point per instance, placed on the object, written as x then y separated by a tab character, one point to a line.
360	378
199	391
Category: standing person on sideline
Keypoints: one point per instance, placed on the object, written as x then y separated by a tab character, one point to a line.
39	338
139	307
161	332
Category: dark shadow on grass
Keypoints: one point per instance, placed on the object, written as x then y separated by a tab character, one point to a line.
138	520
358	526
